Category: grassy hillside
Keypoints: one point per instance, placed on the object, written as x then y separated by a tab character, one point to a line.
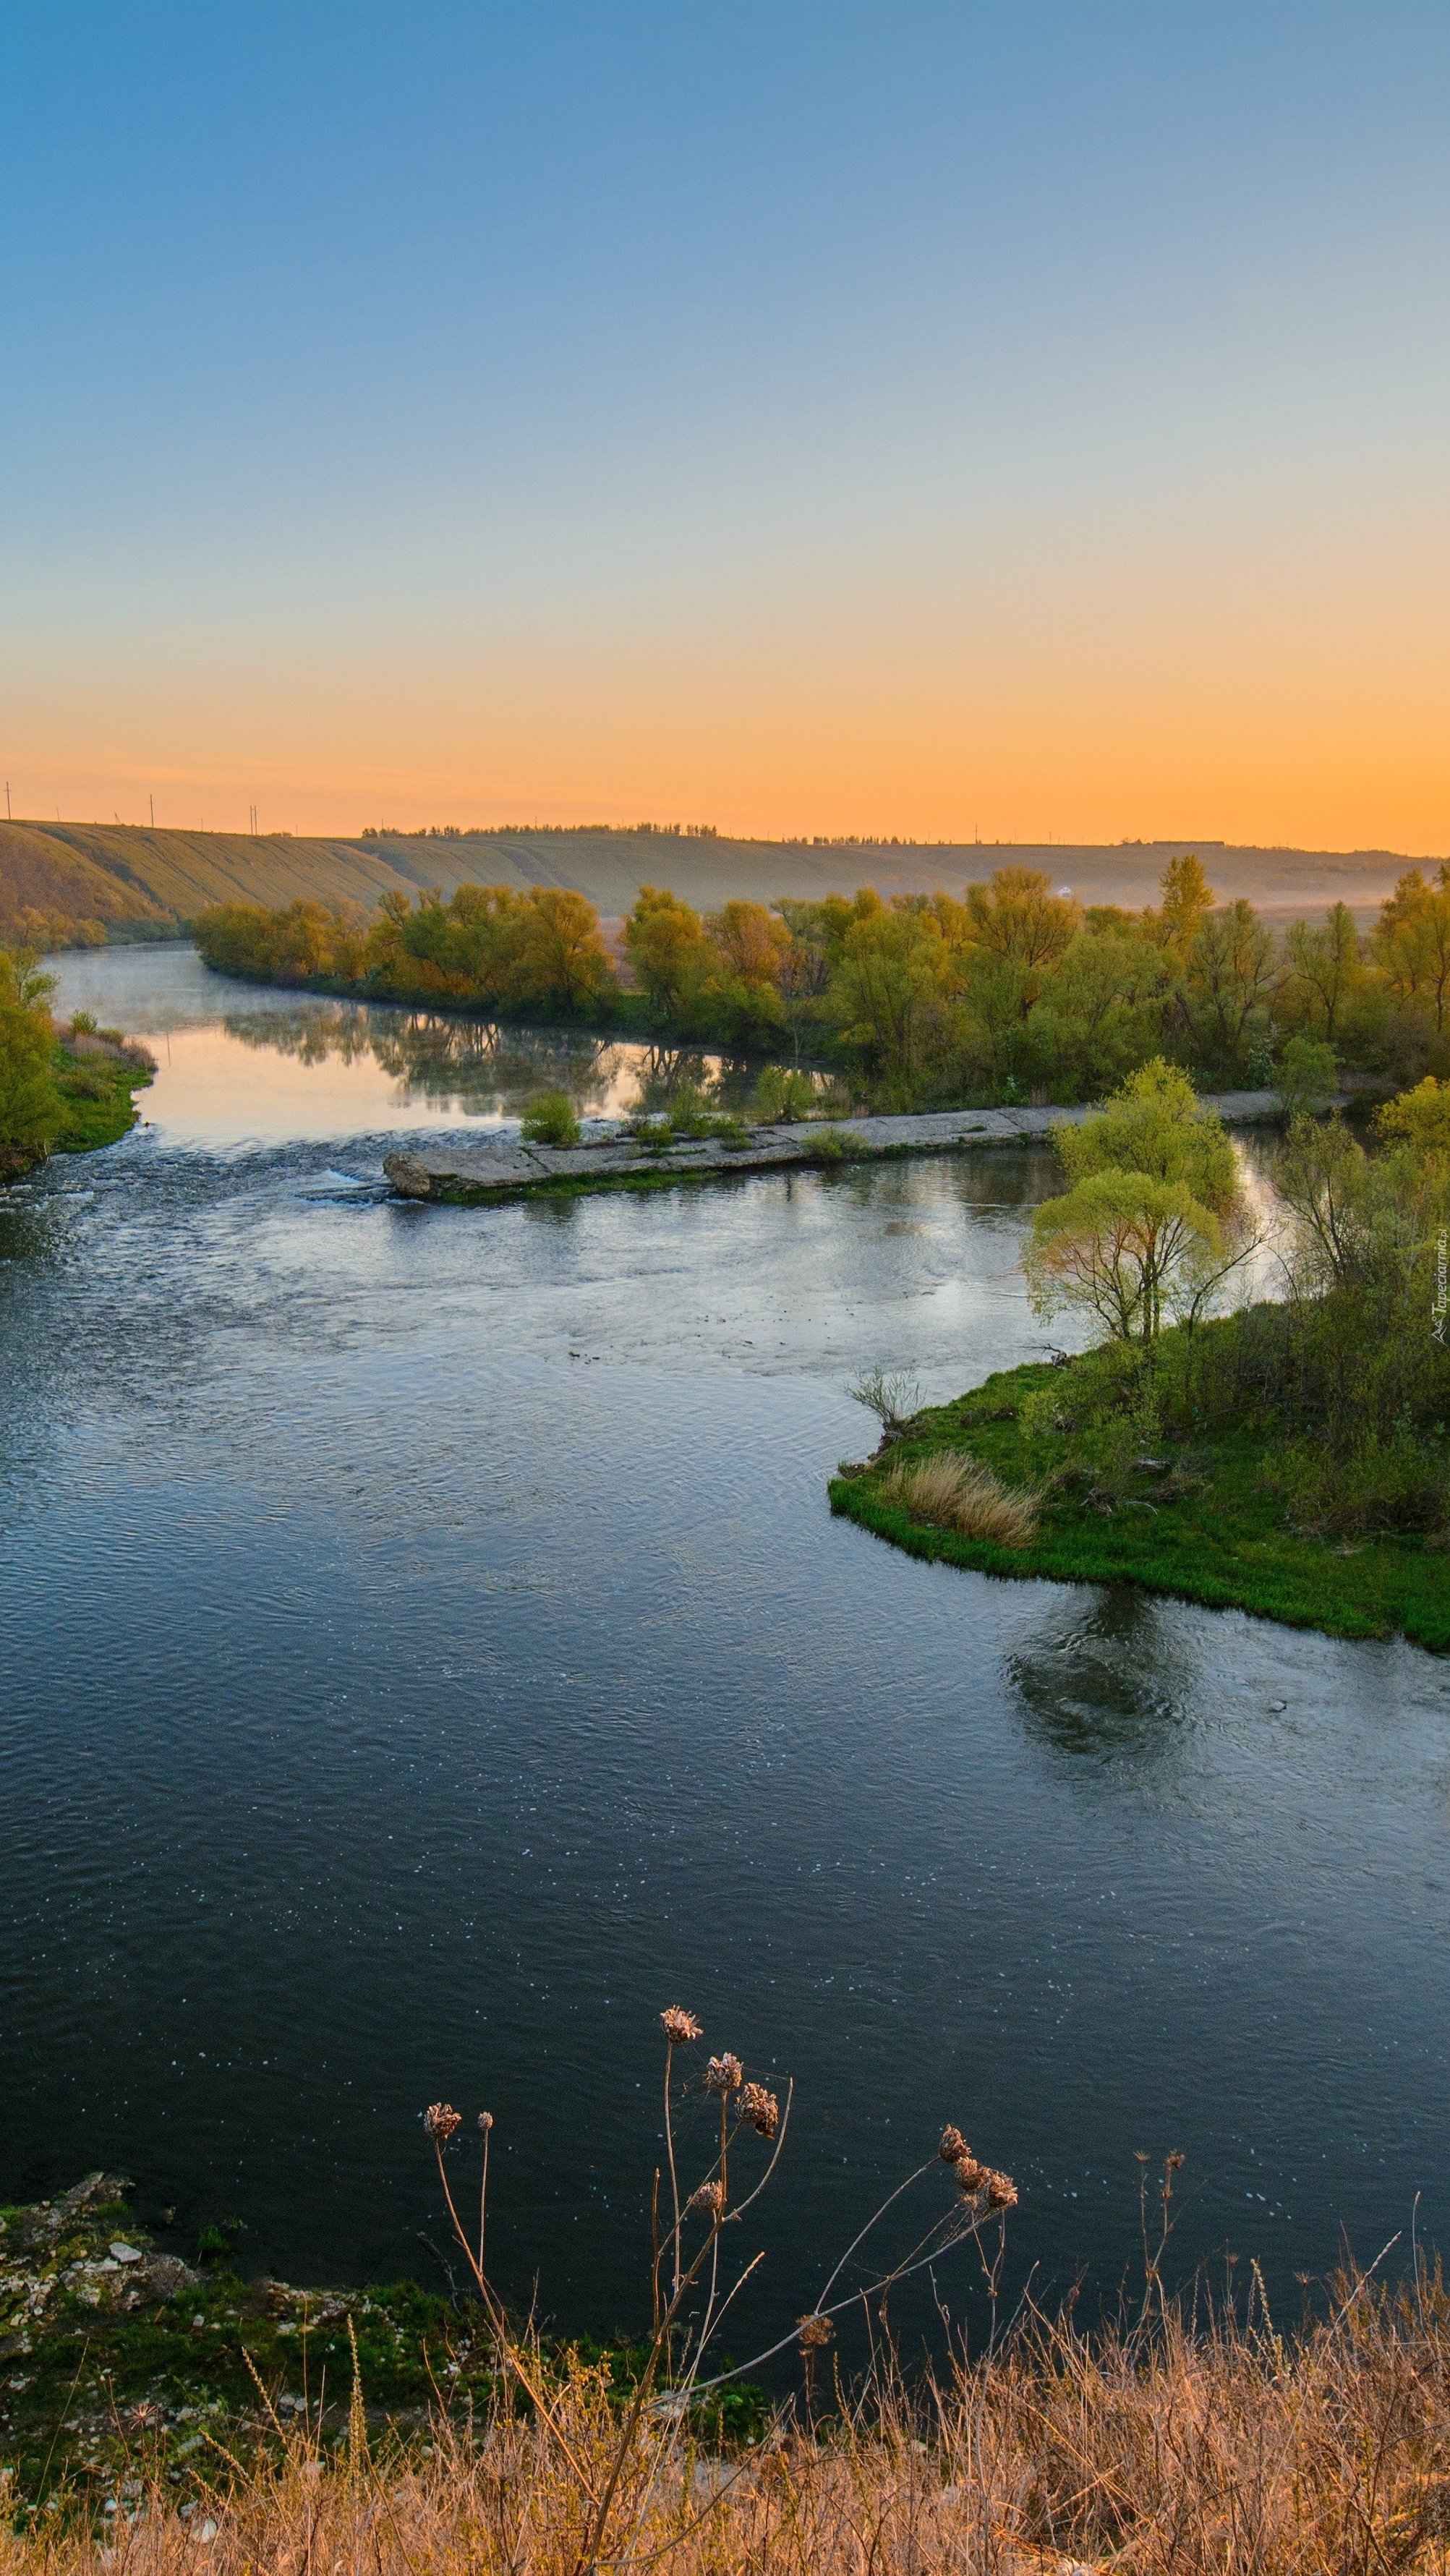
610	867
52	895
180	872
68	884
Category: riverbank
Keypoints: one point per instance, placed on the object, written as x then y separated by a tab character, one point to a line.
470	1175
1205	1523
98	1075
111	2348
119	2357
1214	2448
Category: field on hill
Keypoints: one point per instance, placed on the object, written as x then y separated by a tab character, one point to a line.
65	885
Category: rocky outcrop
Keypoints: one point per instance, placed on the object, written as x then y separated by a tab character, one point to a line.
463	1174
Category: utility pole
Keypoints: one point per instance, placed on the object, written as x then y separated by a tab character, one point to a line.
151	801
7	800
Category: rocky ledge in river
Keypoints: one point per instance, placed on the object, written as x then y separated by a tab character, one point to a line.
464	1173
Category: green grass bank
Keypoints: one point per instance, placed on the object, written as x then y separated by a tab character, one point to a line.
98	1079
1204	1521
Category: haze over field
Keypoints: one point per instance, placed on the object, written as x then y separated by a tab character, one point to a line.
955	420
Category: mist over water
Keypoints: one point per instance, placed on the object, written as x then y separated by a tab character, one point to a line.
425	1651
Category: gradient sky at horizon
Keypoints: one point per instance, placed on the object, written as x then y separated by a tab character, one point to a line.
1025	419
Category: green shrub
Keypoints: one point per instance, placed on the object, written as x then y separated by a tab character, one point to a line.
1402	1483
783	1095
836	1145
551	1121
1308	1076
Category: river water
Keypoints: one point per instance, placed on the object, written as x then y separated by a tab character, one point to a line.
426	1652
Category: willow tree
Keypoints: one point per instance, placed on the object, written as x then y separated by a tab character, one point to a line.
1152	1219
1125	1248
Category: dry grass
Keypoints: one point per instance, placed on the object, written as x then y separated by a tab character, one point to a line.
1189	2442
953	1492
1166	2451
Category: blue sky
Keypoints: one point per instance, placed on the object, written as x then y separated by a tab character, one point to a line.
798	415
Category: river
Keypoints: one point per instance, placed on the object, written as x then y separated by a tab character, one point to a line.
425	1652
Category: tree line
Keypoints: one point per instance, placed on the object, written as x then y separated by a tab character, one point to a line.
1011	992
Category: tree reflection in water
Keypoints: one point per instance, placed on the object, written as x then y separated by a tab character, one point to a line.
490	1070
1103	1683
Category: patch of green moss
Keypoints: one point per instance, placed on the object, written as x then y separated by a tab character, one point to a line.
1210	1528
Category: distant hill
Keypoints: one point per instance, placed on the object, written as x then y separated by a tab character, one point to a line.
67	883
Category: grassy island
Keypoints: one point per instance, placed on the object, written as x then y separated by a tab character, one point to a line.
1204	1519
1290	1458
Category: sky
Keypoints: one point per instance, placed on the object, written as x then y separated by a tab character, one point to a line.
1018	420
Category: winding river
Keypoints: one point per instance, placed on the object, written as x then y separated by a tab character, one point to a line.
425	1651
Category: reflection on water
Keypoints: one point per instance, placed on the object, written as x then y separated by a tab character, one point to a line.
425	1651
485	1069
1097	1683
367	1065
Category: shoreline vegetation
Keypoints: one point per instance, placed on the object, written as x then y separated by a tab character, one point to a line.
1205	1522
62	1091
1289	1458
1015	994
154	2410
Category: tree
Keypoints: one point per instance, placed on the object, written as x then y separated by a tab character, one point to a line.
1122	1245
754	944
1420	1120
1101	1009
1412	941
1308	1079
887	986
1017	917
1155	1125
1324	968
1231	974
31	1111
668	950
563	960
1188	899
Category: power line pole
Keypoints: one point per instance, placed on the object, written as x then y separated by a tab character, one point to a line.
7	800
151	801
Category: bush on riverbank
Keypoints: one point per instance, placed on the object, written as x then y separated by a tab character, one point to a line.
1012	993
60	1091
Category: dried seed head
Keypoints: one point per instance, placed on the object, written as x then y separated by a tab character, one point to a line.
710	2196
440	2120
1001	2191
760	2109
679	2025
813	2332
1176	2160
953	2145
724	2074
485	2121
970	2174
